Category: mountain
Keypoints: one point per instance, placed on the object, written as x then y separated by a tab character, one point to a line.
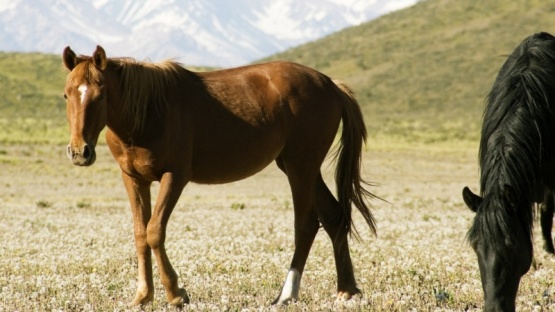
196	32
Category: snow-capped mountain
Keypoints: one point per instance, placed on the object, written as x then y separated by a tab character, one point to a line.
195	32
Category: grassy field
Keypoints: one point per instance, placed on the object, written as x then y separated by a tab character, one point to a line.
420	75
67	241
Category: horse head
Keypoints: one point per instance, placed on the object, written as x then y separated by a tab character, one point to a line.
502	245
85	103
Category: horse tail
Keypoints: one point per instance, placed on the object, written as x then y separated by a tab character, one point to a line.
350	185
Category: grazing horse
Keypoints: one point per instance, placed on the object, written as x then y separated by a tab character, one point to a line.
175	126
517	161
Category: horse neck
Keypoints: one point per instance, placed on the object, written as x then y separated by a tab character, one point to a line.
117	121
510	185
513	169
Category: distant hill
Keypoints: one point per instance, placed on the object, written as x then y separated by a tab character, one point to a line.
31	84
421	74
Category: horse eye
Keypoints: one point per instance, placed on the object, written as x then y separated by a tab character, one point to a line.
65	96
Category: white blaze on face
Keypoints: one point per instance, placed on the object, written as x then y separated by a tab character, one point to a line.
83	91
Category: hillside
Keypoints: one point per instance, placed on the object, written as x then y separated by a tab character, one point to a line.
31	84
31	105
421	74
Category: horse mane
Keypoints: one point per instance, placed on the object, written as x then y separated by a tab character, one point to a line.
145	84
517	139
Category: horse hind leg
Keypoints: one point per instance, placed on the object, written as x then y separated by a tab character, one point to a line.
546	221
329	213
306	228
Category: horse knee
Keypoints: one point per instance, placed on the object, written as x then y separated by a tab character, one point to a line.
154	235
140	237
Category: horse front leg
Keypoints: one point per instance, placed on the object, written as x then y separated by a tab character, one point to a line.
546	221
171	187
139	197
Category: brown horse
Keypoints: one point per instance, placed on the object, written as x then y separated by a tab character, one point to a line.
174	126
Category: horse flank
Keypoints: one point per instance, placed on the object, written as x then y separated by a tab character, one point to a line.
516	140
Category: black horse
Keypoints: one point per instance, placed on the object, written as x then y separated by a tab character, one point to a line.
517	161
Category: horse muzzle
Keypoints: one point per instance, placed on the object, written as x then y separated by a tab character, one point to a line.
81	156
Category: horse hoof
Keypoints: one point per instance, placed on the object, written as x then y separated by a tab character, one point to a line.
347	300
179	300
141	300
344	295
283	301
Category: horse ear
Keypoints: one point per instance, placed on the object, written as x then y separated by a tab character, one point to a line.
69	58
99	58
470	199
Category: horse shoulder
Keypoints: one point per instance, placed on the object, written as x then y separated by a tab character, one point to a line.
133	161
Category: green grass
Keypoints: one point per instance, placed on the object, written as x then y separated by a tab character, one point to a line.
31	106
31	86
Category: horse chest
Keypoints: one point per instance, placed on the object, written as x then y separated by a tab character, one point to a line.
140	168
137	164
134	161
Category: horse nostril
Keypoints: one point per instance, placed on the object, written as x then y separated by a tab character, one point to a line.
86	152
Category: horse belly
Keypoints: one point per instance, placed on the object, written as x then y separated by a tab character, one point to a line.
232	164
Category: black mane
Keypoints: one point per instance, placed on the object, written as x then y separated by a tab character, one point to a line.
517	140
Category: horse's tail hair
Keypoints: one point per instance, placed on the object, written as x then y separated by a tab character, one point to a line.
350	185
